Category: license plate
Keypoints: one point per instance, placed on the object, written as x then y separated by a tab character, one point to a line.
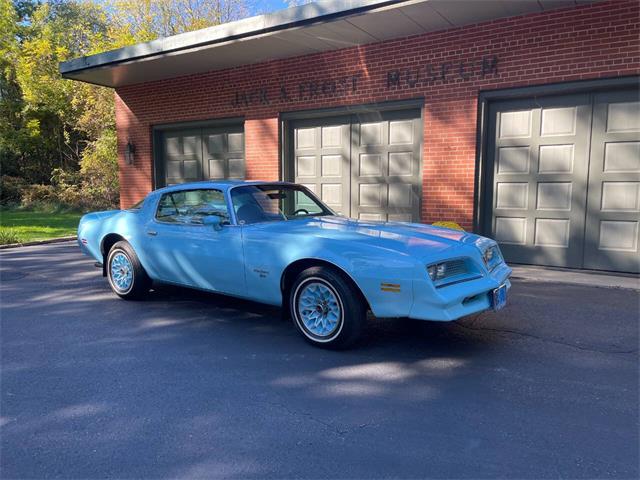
499	297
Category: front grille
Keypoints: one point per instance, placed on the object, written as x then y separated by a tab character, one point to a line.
455	268
453	271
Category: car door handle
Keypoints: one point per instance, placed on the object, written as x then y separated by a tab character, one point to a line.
153	233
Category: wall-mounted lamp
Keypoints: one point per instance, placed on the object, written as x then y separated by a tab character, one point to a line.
129	152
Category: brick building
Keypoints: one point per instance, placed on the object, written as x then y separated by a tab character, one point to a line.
517	119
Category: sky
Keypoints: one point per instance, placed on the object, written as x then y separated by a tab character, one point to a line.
263	6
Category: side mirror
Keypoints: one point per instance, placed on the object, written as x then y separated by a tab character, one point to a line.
213	221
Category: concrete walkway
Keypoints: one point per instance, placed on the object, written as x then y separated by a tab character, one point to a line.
566	276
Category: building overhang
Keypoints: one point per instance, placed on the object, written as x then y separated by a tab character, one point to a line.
312	28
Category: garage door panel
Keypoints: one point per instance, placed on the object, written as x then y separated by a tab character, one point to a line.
305	138
363	166
515	124
539	178
235	142
618	235
331	165
554	196
612	234
306	166
558	121
512	195
224	152
400	195
552	232
216	144
623	116
622	157
402	164
331	136
514	160
510	230
386	147
182	157
554	159
401	132
195	154
371	194
566	180
371	134
620	197
236	168
370	164
332	194
321	149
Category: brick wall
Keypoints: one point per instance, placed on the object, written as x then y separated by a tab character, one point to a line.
585	42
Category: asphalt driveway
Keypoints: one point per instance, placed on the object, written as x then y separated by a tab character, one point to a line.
188	384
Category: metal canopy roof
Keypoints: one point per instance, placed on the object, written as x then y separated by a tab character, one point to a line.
316	27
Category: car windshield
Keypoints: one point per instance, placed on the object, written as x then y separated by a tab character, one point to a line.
272	203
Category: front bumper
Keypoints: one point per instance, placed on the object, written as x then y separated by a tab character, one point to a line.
458	300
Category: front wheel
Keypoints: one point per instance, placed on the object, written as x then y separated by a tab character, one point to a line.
327	309
126	276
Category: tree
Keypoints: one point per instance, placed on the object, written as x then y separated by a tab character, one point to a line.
55	127
134	21
10	94
51	32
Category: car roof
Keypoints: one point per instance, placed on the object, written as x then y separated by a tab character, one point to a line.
223	185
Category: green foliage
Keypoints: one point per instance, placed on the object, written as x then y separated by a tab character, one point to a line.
11	189
50	125
39	197
99	170
9	236
28	225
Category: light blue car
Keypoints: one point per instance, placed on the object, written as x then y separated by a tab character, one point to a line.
277	243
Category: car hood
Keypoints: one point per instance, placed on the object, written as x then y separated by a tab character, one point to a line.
415	239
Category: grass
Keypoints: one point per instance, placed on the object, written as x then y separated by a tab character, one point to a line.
26	226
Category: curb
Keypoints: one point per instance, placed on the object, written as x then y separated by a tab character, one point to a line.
38	242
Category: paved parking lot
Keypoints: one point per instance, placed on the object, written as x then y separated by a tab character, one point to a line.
188	384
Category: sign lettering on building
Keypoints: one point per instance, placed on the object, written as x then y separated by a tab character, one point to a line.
444	72
341	87
304	91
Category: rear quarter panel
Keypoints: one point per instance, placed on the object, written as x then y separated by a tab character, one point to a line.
128	224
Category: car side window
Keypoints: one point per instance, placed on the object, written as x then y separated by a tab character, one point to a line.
192	206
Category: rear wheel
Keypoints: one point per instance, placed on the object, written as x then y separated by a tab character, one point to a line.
126	276
326	308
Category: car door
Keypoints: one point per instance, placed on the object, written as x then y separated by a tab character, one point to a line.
183	249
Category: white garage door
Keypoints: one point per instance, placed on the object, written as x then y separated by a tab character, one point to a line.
566	180
363	166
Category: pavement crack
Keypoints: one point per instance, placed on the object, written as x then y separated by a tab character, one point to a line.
341	432
585	348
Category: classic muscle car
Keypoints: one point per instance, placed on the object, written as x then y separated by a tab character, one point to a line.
277	243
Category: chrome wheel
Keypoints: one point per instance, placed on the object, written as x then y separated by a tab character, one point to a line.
121	271
319	308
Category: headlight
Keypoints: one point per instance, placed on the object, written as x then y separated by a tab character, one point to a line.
443	270
488	255
492	257
452	271
431	270
437	271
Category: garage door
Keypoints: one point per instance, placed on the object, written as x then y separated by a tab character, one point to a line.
364	166
195	154
566	180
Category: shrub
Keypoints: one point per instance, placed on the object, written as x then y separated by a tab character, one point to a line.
11	189
40	197
447	224
8	236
